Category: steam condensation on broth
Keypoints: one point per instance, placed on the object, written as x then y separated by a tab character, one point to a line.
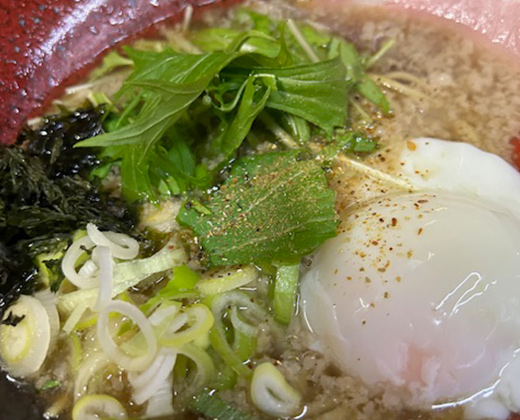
440	84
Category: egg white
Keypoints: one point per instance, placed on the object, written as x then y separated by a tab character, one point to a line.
420	291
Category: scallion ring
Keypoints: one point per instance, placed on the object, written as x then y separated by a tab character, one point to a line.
113	351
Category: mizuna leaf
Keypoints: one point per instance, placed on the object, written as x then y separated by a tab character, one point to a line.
315	92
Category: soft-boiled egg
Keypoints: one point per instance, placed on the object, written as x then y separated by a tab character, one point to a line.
420	291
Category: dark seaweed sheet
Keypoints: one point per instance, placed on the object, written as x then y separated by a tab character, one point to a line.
45	196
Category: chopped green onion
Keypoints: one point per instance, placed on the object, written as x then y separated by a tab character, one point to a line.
183	328
126	274
227	281
182	285
204	365
272	394
226	378
112	350
24	344
236	353
286	286
50	384
76	351
184	278
218	339
91	365
49	269
98	406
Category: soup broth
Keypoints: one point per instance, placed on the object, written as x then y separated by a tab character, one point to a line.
440	83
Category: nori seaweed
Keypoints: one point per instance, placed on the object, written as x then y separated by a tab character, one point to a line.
46	195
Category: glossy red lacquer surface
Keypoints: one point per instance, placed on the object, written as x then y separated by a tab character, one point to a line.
44	43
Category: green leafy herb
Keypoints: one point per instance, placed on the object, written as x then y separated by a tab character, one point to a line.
214	39
349	142
368	88
254	20
356	73
229	84
298	128
168	98
272	206
314	92
252	103
186	116
355	142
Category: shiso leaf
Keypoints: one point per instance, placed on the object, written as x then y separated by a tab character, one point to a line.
272	206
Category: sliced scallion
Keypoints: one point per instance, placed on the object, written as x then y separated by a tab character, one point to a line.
285	289
92	407
230	280
25	336
272	394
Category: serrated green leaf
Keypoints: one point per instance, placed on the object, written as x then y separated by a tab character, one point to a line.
135	174
314	92
272	206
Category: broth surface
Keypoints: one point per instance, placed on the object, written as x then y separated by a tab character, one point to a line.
440	84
